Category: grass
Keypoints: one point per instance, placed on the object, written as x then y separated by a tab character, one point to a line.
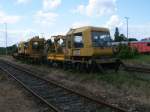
2	76
140	59
125	79
119	80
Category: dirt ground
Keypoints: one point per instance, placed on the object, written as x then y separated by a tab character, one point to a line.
133	96
16	99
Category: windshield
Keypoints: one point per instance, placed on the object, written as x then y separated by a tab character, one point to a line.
37	45
101	39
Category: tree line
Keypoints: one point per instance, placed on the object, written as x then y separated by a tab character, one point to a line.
10	50
121	37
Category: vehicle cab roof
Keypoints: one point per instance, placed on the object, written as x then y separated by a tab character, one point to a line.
85	28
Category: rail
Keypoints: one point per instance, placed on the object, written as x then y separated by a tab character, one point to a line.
57	97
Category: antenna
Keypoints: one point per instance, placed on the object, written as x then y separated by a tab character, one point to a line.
6	36
127	22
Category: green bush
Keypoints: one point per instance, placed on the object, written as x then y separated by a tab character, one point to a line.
126	52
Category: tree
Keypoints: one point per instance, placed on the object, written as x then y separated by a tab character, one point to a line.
132	39
119	37
116	34
122	37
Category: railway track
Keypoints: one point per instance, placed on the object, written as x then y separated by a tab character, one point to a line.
57	97
135	68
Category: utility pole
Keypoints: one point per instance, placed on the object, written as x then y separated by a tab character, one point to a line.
127	21
6	36
42	35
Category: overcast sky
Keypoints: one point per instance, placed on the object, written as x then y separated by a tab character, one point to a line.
26	18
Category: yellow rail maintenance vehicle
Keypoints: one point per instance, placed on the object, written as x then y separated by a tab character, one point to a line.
85	48
35	49
56	49
21	48
32	50
20	51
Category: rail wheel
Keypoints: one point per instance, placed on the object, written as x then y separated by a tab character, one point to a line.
95	67
118	65
83	67
50	63
65	65
100	68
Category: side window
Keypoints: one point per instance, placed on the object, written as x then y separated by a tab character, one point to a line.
148	44
61	43
35	45
26	45
78	40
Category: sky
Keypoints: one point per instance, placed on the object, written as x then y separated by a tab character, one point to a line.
28	18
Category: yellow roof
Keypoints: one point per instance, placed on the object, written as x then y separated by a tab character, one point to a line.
22	42
82	29
36	39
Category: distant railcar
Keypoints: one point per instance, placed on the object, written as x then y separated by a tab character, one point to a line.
142	47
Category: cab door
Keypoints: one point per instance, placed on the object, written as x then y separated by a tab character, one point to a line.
68	49
78	44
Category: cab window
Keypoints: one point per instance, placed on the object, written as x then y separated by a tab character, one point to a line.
148	44
35	45
26	45
101	39
78	40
